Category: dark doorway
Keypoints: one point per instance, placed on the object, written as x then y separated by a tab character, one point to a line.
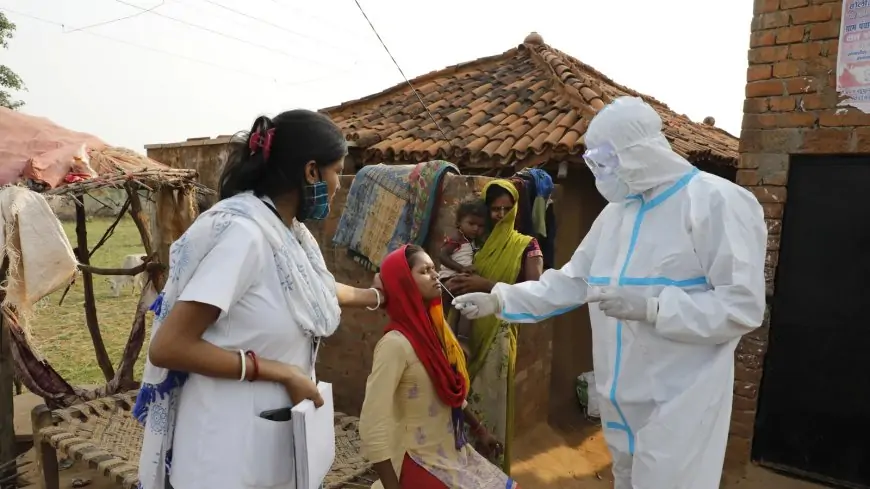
814	408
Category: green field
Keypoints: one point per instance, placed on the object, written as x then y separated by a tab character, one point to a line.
60	332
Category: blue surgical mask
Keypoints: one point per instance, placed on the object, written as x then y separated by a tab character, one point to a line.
316	201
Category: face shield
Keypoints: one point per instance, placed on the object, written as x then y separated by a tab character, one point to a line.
602	161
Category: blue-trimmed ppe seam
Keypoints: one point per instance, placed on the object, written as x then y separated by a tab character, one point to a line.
644	208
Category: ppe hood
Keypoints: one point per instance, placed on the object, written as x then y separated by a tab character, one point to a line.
634	130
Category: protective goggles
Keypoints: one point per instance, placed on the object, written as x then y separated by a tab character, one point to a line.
602	160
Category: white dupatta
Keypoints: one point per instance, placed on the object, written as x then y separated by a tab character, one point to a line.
308	287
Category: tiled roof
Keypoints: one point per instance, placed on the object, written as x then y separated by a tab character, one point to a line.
529	101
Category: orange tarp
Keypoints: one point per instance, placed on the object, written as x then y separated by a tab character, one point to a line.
36	148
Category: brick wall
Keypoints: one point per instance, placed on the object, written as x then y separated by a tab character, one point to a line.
346	357
790	108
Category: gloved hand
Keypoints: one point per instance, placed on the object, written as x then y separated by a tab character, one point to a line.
622	303
477	304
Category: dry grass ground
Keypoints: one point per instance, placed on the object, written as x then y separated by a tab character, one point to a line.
59	330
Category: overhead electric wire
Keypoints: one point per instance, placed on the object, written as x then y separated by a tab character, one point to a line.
419	98
222	34
280	27
112	21
175	55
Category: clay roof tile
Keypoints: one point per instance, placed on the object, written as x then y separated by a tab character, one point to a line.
503	108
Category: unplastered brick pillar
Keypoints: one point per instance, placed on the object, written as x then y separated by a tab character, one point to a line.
791	107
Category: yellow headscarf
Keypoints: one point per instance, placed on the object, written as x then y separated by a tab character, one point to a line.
500	260
455	355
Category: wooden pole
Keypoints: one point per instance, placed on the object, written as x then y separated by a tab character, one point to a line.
93	324
7	402
143	224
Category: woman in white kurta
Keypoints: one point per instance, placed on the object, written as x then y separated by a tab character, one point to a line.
247	298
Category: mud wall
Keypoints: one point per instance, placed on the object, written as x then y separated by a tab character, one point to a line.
346	357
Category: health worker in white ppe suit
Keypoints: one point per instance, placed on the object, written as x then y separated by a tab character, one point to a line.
673	271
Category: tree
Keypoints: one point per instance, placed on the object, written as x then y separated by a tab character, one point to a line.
8	78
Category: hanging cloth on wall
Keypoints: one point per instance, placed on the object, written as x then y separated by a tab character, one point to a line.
541	223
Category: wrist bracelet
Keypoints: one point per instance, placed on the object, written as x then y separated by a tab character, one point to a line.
244	358
378	295
255	364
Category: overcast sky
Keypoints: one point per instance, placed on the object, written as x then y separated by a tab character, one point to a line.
194	68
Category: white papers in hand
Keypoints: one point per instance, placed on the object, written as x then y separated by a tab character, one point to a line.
314	439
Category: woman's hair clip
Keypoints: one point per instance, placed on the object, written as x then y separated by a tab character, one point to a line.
262	140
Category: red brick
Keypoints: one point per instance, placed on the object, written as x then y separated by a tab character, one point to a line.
809	15
796	119
825	140
844	117
745	389
747	178
777	177
755	105
819	2
752	362
764	88
738	455
830	48
758	72
768	54
772	211
789	69
773	241
743	430
772	169
774	141
765	6
746	417
816	101
805	50
799	85
773	226
749	346
762	38
769	195
783	104
743	404
770	20
821	66
759	121
790	35
772	258
790	4
827	30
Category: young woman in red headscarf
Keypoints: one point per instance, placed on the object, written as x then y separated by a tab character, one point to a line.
414	416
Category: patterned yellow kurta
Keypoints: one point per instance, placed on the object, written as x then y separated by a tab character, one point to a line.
403	414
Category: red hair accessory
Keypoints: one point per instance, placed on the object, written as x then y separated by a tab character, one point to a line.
259	140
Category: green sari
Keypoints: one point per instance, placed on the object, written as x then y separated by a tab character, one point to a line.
494	341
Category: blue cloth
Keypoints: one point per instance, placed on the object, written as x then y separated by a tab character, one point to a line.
543	182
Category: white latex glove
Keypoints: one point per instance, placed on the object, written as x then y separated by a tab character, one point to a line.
622	303
477	304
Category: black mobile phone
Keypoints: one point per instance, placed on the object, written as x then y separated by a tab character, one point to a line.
280	415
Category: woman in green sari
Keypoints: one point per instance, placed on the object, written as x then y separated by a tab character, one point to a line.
507	256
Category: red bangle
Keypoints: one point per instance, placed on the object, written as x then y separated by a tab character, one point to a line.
256	372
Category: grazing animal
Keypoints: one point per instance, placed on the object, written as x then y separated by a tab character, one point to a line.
118	282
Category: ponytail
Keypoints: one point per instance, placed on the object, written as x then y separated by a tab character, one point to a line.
246	162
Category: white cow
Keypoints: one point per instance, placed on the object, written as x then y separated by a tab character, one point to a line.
117	282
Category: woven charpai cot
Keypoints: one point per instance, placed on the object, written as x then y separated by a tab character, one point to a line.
103	434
